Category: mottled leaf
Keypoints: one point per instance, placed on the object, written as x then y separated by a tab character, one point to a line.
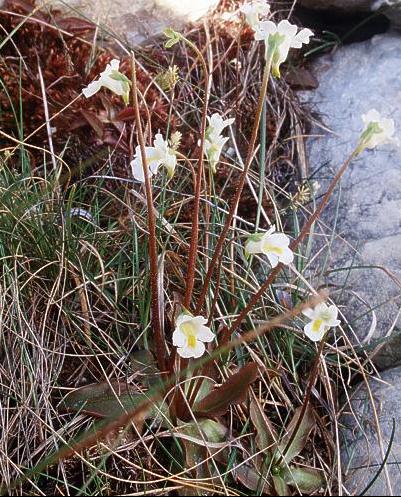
232	392
306	480
204	430
95	123
265	432
301	437
252	479
143	363
103	401
198	440
281	487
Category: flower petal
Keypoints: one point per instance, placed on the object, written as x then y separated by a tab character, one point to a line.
183	318
115	64
278	239
114	85
170	164
205	334
273	259
309	313
321	308
198	350
283	50
199	320
92	88
287	257
160	144
371	116
137	169
179	338
264	29
303	37
315	336
333	312
185	352
286	28
195	352
253	247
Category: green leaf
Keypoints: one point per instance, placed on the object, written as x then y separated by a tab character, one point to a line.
144	365
143	361
280	486
252	479
301	437
306	480
265	432
204	390
204	430
197	439
104	400
232	392
173	37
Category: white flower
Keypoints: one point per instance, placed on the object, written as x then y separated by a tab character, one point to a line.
279	38
190	334
214	141
213	151
322	318
158	155
253	10
112	79
216	125
377	131
274	245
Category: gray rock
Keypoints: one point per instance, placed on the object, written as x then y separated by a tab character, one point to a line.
362	454
393	13
353	80
137	20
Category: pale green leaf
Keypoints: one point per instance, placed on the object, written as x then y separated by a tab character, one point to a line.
306	480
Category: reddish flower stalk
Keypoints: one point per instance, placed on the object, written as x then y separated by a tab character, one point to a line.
222	238
154	288
304	232
136	414
193	249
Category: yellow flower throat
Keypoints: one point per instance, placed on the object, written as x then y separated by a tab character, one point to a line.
190	332
317	323
268	247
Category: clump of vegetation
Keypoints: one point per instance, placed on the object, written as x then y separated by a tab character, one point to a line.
139	282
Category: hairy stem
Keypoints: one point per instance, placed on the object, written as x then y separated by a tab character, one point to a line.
154	288
193	249
304	232
112	424
222	238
